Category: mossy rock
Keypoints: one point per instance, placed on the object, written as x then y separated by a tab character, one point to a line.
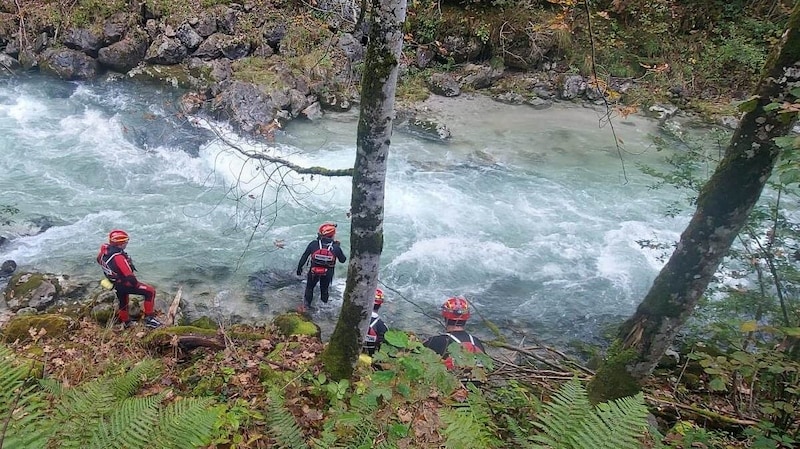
38	290
18	327
204	322
292	323
163	336
175	75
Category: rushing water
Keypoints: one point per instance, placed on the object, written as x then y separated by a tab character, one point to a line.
533	215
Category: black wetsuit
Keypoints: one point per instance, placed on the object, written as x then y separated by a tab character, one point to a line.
323	280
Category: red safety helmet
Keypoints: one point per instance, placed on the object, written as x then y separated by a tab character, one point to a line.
118	237
327	230
378	297
456	309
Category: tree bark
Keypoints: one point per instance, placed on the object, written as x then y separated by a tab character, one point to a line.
723	206
378	88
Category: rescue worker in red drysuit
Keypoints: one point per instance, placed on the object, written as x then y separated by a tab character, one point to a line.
118	268
321	273
455	312
377	328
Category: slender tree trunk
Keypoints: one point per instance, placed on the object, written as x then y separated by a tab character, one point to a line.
378	88
722	210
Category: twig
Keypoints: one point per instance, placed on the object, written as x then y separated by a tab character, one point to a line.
715	416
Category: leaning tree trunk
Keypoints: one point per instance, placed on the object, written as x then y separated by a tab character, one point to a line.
722	210
378	87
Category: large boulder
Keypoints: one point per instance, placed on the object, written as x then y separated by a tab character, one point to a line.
219	44
83	39
124	55
165	51
34	290
28	327
69	64
246	105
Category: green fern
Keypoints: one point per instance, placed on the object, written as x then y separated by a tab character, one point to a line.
469	425
570	422
188	423
21	406
282	425
100	414
520	438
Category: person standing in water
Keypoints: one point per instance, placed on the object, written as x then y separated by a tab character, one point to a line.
321	255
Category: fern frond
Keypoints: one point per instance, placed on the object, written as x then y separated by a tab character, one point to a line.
618	424
127	384
561	418
131	422
468	425
21	406
53	387
570	422
327	438
282	425
186	424
519	437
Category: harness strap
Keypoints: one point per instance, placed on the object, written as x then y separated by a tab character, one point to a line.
471	340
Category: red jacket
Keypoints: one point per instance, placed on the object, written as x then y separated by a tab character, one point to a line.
117	265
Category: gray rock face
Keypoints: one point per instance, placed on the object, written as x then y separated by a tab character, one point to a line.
8	63
69	64
36	291
188	36
8	267
166	51
218	45
444	84
206	24
114	27
84	40
574	86
245	105
124	55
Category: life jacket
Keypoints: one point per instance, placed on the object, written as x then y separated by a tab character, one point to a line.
104	258
371	339
322	259
468	346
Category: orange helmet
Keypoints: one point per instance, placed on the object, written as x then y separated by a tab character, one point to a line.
118	237
456	309
378	297
327	230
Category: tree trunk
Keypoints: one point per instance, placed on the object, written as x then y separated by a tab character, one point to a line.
722	210
378	88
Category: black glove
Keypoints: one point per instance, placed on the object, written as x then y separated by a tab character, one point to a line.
299	271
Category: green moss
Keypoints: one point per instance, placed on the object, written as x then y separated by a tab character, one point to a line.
290	324
412	88
164	335
612	380
204	323
103	316
18	328
23	283
259	71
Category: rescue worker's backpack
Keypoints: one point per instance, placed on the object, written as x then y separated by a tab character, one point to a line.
322	259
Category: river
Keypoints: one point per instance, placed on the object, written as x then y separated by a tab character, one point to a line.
533	215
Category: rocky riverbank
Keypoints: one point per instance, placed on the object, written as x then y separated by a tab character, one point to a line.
260	65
